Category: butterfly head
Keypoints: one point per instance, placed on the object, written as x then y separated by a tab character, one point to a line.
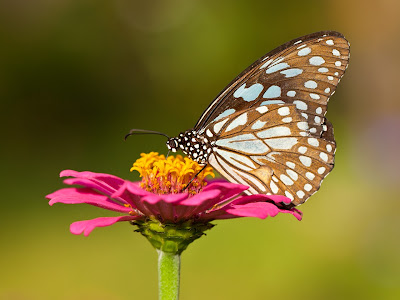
172	144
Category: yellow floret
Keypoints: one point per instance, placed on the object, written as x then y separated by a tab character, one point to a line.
170	175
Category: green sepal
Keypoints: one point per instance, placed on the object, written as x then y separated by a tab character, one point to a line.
171	237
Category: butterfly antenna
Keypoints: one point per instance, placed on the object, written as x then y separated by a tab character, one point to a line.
143	131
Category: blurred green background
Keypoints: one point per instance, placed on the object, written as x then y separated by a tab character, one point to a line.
75	76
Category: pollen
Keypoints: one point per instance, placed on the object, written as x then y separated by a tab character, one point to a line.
170	175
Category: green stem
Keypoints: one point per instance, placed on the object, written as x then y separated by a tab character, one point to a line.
168	275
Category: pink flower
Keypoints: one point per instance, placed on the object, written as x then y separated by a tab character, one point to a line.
217	200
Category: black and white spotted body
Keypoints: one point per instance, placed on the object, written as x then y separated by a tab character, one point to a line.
193	144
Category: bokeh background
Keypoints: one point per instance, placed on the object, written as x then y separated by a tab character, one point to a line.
75	76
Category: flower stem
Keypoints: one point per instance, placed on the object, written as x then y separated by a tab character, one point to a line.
168	275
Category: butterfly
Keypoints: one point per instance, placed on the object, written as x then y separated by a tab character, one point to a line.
267	129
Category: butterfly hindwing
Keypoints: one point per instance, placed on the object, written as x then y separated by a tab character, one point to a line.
270	149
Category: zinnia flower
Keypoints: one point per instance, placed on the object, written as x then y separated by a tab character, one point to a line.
156	204
172	206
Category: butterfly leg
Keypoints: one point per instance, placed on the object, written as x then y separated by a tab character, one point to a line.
194	177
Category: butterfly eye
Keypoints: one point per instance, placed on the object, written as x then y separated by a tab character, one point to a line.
172	144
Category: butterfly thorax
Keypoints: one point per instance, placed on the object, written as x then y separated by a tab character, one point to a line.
193	144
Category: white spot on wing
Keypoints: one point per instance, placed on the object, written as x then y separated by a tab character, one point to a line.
247	143
315	96
300	105
287	120
290	164
266	63
316	60
262	109
273	91
289	195
292	174
300	194
274	132
302	125
291	72
273	186
281	143
313	142
310	84
286	180
249	94
291	93
276	68
284	111
304	51
302	149
219	125
323	156
310	175
241	120
330	42
225	114
272	102
258	125
305	160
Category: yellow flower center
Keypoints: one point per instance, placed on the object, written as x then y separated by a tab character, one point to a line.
170	175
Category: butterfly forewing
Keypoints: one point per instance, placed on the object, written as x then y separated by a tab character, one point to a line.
304	72
268	123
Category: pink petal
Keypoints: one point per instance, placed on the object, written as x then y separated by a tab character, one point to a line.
134	197
172	199
258	210
199	203
214	193
262	198
87	196
167	207
87	226
132	187
228	188
202	197
104	183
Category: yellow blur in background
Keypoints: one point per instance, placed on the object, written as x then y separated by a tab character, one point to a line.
75	76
